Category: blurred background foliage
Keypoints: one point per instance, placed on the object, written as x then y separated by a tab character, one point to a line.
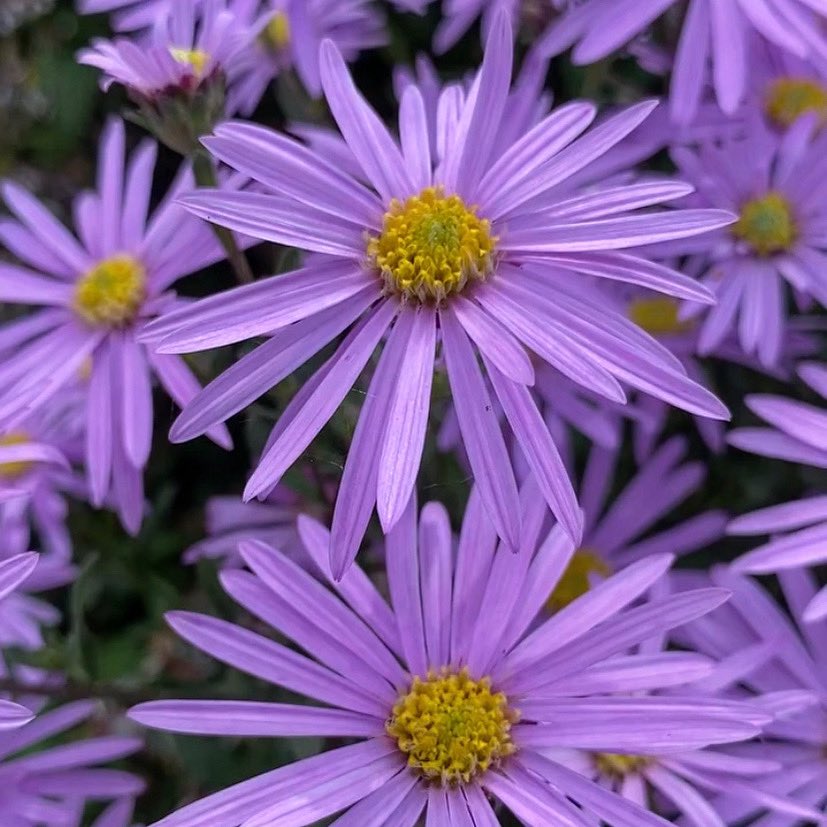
113	642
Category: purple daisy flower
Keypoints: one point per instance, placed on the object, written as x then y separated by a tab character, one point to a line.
409	259
691	783
97	294
22	458
288	34
715	40
751	627
399	679
229	521
22	613
617	530
43	486
665	319
783	87
13	572
192	42
798	528
51	786
772	184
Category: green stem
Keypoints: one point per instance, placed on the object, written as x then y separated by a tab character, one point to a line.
205	177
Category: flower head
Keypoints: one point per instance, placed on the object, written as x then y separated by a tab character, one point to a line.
798	528
716	45
470	251
768	181
95	293
61	780
288	34
770	650
451	702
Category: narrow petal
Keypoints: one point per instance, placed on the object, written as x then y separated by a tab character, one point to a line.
272	218
435	555
251	719
343	371
403	581
407	416
256	309
481	433
368	138
263	368
494	341
540	451
271	662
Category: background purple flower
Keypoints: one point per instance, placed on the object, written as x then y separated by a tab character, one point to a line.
768	182
51	785
714	43
799	528
191	43
97	292
752	631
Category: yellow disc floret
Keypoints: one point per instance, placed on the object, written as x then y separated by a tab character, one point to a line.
576	579
767	224
659	316
790	98
12	470
277	31
452	727
618	765
112	292
431	246
196	59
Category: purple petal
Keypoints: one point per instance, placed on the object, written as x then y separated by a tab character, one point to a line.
407	415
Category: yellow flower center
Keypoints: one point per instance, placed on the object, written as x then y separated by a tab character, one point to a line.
431	246
790	98
576	579
767	224
618	765
112	292
12	470
277	32
658	316
452	727
196	59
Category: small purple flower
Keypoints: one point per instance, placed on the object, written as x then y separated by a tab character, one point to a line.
770	652
288	34
14	571
664	319
192	42
798	528
97	292
772	184
53	785
59	432
691	783
454	692
476	251
715	41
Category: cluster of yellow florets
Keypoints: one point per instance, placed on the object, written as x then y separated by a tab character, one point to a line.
431	246
767	224
112	292
452	727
